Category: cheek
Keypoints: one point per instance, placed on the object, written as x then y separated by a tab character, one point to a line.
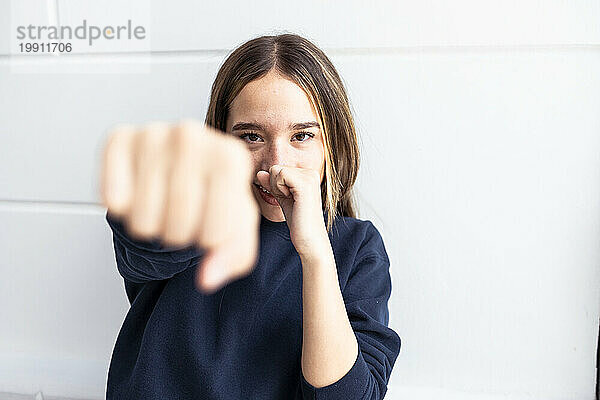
323	168
256	162
322	159
316	161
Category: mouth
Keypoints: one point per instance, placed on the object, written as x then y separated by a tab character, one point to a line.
266	196
261	188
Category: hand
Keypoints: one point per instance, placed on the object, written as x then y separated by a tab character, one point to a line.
185	183
298	192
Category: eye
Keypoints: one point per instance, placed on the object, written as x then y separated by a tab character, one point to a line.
305	134
249	135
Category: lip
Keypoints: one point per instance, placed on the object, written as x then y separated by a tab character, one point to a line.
257	185
267	198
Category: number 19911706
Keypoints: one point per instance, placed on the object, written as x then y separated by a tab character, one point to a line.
45	47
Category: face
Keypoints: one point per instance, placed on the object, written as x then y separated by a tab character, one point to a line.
268	115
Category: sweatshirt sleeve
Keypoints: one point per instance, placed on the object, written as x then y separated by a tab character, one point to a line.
366	297
140	261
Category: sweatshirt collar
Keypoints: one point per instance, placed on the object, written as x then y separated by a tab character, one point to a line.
281	226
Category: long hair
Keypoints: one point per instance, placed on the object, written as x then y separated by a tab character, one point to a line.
301	61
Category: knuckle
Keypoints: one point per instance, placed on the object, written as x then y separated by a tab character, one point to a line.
115	207
234	155
139	228
118	134
311	176
154	133
239	151
114	154
176	238
191	125
316	176
208	130
189	129
121	128
185	138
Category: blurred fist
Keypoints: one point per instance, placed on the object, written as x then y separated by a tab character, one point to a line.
185	183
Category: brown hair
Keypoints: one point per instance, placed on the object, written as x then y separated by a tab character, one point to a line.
305	64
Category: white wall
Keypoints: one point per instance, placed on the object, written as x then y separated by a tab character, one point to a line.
480	133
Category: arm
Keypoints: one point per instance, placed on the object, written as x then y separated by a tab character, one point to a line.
329	346
348	350
139	261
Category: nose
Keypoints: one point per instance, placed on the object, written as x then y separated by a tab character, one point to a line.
277	153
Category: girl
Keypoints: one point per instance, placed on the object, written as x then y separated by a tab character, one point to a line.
311	319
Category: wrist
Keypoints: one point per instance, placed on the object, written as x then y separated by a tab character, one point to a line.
319	250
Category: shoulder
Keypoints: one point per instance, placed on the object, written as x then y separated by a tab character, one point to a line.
360	234
354	241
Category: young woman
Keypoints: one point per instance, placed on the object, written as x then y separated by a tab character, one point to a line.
309	320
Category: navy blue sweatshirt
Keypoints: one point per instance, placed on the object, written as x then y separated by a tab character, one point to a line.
244	341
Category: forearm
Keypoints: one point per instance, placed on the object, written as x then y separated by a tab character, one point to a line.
141	260
329	346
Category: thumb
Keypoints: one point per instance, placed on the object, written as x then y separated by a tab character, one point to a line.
264	178
211	273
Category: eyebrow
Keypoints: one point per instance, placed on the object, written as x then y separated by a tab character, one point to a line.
256	126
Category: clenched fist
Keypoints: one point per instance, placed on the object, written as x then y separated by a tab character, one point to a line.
185	183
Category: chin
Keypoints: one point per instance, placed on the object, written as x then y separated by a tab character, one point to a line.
273	216
272	213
